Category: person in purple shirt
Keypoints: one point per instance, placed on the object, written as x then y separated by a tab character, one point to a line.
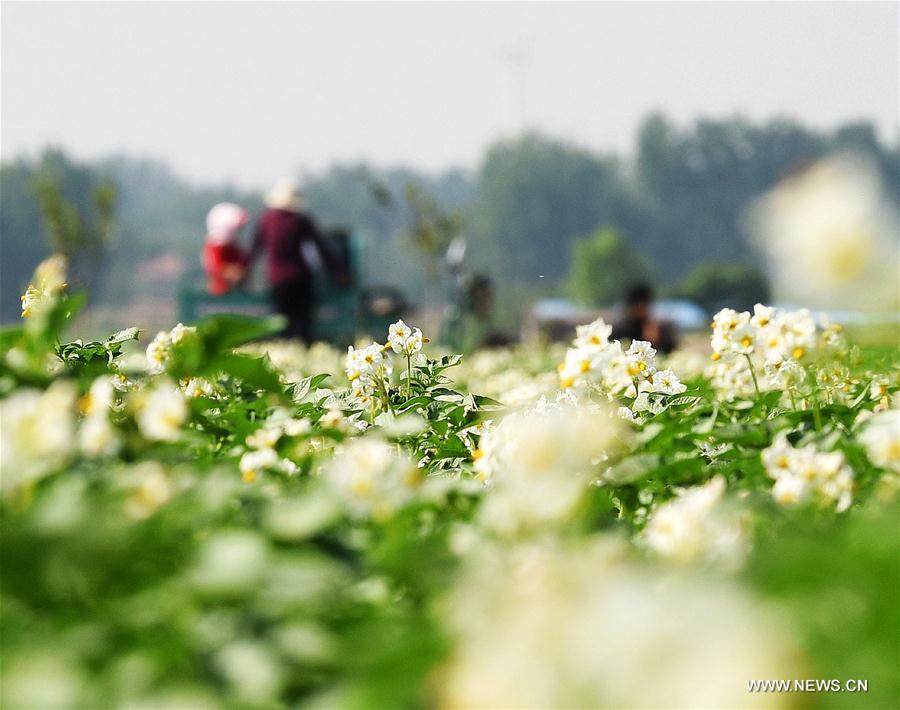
295	254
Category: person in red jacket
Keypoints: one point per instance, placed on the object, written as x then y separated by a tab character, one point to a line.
224	261
295	255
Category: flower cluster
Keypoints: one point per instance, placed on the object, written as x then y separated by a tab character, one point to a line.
595	361
778	336
161	350
263	445
37	432
369	371
881	438
49	282
371	478
405	340
281	517
539	462
807	474
161	411
693	527
582	626
773	349
97	434
367	368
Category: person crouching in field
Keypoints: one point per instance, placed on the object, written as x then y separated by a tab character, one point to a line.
224	261
637	323
295	254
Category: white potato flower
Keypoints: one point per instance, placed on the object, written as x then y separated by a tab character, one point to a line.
593	335
372	477
784	374
731	379
539	464
254	462
195	387
595	361
830	236
363	362
253	672
545	625
159	352
161	349
333	419
296	427
97	436
149	489
881	438
732	334
266	437
664	381
806	474
403	339
48	282
231	564
693	527
162	412
582	364
99	398
641	357
37	432
46	677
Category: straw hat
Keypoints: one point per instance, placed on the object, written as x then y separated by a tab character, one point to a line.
284	196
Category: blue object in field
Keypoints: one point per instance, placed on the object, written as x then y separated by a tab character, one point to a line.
342	308
682	313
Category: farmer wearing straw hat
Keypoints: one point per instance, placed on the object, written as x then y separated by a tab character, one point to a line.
295	254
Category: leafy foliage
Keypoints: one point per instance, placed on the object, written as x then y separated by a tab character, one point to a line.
714	286
202	525
603	266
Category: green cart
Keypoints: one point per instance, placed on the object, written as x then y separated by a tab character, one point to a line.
345	309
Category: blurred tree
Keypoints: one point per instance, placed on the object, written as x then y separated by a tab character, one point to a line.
680	202
21	233
82	238
603	266
715	285
372	202
535	197
696	183
53	205
432	228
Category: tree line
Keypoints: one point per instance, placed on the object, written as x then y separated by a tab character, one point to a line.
541	216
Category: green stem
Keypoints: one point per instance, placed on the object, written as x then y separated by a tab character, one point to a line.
753	375
408	376
384	389
755	382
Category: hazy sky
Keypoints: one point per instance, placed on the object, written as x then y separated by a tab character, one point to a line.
251	92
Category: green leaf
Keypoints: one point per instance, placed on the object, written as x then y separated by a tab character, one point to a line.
123	336
225	331
631	469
